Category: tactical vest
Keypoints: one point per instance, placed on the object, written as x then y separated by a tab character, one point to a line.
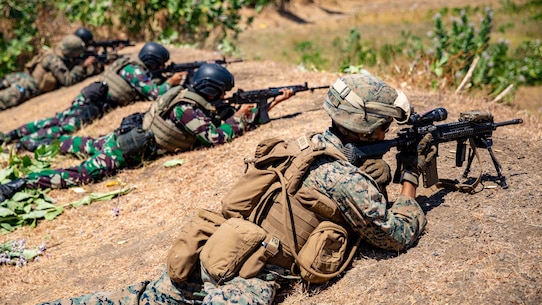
45	79
167	135
270	194
119	89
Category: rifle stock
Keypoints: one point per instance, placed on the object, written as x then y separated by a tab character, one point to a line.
261	96
478	129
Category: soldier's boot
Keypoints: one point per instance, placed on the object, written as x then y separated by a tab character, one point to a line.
7	190
9	137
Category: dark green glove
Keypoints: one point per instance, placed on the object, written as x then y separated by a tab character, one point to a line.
413	163
378	169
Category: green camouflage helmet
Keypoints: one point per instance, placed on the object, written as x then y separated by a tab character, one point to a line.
72	45
362	102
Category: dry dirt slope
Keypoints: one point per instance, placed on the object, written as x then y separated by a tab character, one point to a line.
478	249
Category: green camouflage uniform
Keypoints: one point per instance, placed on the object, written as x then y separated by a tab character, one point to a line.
396	227
106	157
77	115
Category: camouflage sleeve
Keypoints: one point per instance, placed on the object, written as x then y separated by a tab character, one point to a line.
62	73
395	228
196	122
141	80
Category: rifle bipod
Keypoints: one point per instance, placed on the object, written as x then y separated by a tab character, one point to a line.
487	144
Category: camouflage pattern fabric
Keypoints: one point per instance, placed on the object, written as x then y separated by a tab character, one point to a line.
395	228
106	157
74	117
194	120
67	71
20	87
241	291
161	291
140	79
391	228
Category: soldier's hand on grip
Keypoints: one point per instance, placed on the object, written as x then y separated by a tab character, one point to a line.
378	169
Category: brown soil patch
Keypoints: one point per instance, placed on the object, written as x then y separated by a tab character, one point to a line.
478	249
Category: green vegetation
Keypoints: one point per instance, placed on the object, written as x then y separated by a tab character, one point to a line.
447	53
191	22
29	206
505	39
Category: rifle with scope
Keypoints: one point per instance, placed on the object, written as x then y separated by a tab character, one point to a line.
477	127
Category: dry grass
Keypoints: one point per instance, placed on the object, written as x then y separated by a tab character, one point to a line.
483	248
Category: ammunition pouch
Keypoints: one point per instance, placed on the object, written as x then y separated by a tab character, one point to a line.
325	254
134	142
134	120
231	246
48	82
90	112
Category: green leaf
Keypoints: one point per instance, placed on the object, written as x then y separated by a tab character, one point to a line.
5	173
174	162
43	205
52	214
7	226
6	212
34	215
20	196
30	254
100	197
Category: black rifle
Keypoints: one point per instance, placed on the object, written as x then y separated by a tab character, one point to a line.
260	97
476	127
113	44
103	57
191	67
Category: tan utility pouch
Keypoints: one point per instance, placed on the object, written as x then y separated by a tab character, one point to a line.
48	82
230	246
183	255
323	256
255	263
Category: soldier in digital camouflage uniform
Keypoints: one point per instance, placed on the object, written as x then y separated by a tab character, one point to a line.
361	108
180	120
124	82
48	71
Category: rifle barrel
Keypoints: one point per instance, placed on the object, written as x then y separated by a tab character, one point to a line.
509	122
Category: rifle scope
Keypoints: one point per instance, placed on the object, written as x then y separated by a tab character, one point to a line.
437	114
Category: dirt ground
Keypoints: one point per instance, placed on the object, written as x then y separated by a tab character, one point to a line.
481	248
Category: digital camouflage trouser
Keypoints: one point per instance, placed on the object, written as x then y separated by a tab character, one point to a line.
105	160
20	87
252	291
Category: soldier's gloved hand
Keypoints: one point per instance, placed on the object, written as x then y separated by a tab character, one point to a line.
95	92
414	163
378	169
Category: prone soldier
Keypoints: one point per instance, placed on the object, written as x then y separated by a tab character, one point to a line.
125	81
49	70
303	222
178	121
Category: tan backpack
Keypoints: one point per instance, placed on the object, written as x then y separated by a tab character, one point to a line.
278	167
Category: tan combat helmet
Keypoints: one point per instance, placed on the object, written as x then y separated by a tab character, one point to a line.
72	45
362	102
